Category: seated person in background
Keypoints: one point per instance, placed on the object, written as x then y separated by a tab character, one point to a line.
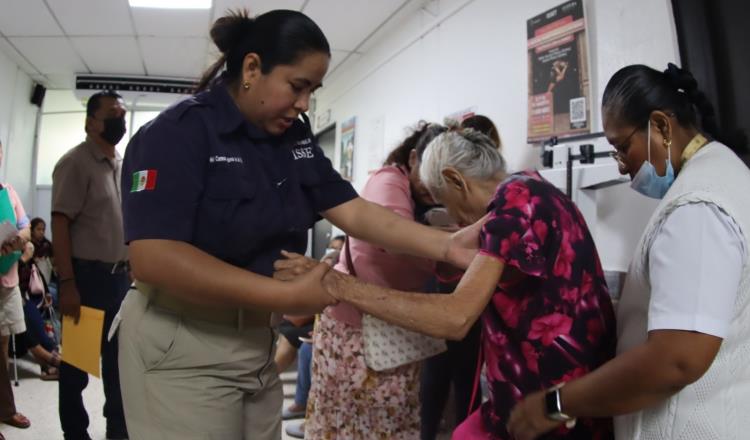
291	328
42	248
36	303
537	283
336	244
44	256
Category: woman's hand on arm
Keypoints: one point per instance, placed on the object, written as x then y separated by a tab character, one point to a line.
375	224
292	266
444	316
463	244
190	274
641	377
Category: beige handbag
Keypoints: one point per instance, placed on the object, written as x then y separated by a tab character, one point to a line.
387	346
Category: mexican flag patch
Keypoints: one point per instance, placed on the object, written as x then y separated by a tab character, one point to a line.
143	181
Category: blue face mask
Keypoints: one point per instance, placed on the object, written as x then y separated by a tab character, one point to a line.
647	182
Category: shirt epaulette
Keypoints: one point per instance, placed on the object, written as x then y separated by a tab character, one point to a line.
178	110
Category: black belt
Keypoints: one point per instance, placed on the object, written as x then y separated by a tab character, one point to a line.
117	267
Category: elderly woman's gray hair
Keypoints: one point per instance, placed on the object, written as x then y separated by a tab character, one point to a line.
468	151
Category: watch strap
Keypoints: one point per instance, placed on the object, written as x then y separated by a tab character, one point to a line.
553	405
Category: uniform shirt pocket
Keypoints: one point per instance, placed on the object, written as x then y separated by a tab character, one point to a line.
225	195
228	217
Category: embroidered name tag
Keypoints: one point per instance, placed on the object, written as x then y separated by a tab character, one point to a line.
225	159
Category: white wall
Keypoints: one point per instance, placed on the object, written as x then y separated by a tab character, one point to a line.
17	129
456	54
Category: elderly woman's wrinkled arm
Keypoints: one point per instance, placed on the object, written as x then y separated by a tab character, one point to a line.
375	224
443	316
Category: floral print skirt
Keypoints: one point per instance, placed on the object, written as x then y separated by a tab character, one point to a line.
349	401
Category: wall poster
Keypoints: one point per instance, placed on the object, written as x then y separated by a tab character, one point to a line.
346	154
559	83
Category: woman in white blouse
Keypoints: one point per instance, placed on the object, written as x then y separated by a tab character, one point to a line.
683	364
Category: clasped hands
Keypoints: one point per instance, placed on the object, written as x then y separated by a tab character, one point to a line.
316	285
314	279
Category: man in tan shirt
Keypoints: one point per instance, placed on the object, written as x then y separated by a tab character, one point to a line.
90	253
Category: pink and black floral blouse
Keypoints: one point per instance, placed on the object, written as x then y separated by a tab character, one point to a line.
550	319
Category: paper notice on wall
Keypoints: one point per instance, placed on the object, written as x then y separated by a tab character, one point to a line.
559	83
346	167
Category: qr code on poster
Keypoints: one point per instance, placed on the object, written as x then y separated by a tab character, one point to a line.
578	109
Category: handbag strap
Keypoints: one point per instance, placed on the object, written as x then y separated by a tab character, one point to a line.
35	267
475	388
349	262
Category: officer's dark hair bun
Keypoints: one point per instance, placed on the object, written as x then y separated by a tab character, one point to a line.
228	31
681	79
635	91
277	37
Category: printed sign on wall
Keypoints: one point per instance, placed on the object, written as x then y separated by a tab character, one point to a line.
346	167
559	83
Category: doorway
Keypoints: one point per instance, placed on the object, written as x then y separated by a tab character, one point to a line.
322	230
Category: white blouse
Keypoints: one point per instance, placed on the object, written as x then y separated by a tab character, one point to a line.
695	266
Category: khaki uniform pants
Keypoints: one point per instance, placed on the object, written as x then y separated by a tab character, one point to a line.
188	379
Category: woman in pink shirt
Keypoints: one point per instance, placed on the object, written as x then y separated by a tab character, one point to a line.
347	399
11	307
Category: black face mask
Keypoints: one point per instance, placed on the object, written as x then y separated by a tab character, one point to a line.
114	130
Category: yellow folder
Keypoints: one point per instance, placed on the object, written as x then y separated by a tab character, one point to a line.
82	342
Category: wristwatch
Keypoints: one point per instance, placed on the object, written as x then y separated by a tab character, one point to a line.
553	406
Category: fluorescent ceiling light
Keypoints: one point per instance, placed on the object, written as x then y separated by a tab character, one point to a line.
171	4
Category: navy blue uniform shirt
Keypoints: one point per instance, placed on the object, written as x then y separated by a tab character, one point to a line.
200	173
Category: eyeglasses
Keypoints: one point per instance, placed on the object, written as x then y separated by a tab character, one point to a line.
620	151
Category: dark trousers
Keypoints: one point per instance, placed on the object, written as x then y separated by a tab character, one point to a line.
457	365
35	332
101	289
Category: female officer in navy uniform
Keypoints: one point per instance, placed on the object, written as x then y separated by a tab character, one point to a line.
220	184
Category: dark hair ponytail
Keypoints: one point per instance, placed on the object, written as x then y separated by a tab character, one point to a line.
278	37
484	125
635	91
421	135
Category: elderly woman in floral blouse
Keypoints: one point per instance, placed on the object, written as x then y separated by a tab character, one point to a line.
537	284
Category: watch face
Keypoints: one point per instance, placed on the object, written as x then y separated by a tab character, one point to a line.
551	404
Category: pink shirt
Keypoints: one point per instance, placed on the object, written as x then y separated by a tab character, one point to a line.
10	279
388	187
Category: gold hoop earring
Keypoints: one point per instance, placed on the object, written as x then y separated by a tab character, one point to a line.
246	85
668	143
